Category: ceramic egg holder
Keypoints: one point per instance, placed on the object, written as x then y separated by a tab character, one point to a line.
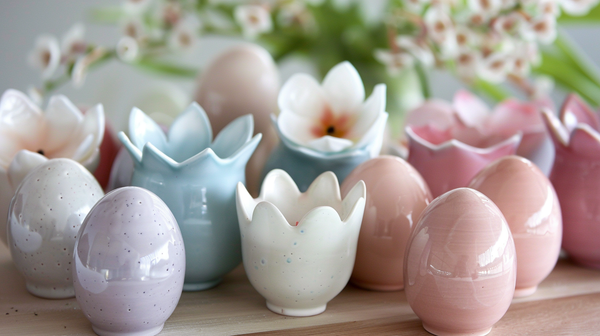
299	248
129	264
196	177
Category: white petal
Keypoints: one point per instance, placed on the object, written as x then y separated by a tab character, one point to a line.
302	95
46	55
372	108
295	127
343	88
127	49
62	121
72	37
373	138
23	162
19	116
330	144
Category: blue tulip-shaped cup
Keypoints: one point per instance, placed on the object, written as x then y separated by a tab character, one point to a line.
197	180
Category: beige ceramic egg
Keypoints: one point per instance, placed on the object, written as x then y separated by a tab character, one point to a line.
460	265
528	201
396	196
242	80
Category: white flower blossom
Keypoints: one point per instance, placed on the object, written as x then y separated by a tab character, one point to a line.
185	33
419	50
45	55
127	49
395	62
73	41
253	19
494	67
577	7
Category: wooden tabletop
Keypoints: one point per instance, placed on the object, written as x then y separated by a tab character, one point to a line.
566	303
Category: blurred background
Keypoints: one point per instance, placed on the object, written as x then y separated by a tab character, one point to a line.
120	87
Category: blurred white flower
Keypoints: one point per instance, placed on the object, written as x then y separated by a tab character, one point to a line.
485	8
45	55
415	6
185	33
253	19
170	12
394	62
542	29
419	50
577	7
82	65
467	63
127	49
508	24
72	41
494	67
136	7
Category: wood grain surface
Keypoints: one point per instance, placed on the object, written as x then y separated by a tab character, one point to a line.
566	303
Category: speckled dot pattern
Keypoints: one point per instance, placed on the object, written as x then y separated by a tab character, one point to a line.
129	263
44	218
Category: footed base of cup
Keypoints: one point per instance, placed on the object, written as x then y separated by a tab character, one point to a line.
296	311
521	292
376	286
145	332
595	264
51	292
194	287
433	330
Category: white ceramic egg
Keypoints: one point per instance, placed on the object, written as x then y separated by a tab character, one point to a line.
242	80
129	264
45	215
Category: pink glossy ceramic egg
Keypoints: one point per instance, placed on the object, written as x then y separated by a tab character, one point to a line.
528	201
396	196
242	80
460	265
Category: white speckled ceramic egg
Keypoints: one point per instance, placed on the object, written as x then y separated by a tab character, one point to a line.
45	215
129	263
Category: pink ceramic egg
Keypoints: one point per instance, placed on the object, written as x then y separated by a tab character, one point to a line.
460	265
129	264
396	196
242	80
528	201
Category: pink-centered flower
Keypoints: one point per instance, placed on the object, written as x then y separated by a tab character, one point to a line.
469	120
333	116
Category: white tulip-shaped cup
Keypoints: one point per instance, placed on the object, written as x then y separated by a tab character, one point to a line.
299	248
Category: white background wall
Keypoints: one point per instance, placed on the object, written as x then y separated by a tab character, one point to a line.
120	87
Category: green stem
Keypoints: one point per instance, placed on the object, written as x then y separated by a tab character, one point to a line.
570	50
570	78
166	68
493	91
425	90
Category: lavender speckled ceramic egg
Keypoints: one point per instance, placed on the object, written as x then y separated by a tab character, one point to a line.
129	264
44	218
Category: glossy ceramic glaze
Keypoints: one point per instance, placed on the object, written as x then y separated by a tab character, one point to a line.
129	264
242	80
327	126
576	178
299	249
460	265
530	205
61	131
197	180
109	150
431	149
45	215
396	196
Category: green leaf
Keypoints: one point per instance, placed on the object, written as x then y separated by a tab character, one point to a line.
592	17
569	77
572	53
166	68
107	15
493	91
